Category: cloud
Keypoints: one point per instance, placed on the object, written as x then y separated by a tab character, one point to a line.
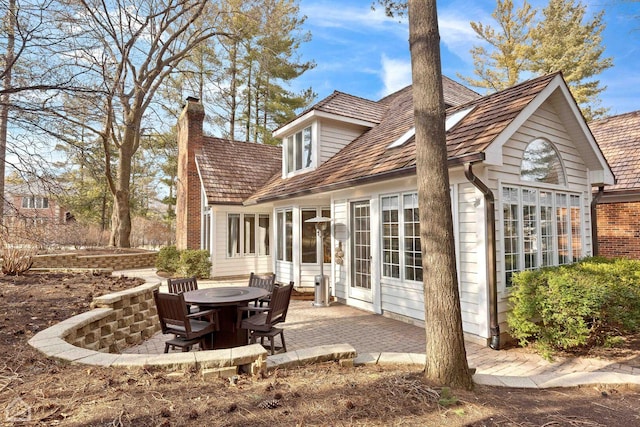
395	74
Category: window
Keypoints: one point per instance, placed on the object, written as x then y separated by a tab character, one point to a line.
233	240
284	238
541	163
390	237
35	202
298	150
309	244
249	239
533	236
309	247
403	228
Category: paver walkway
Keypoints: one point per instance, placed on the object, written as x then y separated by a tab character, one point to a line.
309	326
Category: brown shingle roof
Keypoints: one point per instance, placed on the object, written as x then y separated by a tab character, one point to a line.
619	140
231	170
368	158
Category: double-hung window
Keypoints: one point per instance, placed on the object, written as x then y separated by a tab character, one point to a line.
247	234
298	150
35	202
401	224
540	228
309	246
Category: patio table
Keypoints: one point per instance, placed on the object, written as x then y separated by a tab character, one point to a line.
227	299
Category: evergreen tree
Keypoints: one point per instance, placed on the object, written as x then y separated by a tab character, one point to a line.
501	68
566	41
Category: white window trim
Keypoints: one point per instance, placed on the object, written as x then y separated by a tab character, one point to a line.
285	152
241	236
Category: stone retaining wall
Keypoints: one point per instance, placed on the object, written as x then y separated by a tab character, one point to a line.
130	319
106	261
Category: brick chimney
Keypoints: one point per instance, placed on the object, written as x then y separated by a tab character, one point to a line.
188	204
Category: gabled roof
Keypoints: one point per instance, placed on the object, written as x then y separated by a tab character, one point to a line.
619	140
231	171
368	159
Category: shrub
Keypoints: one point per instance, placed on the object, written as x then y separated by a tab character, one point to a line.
168	259
195	263
566	307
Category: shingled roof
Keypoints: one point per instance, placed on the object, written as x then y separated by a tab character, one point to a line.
231	170
368	158
619	140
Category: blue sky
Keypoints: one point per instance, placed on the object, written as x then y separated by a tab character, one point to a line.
364	53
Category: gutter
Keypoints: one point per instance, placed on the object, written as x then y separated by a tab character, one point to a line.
490	224
594	219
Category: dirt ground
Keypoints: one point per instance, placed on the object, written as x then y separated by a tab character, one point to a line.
41	391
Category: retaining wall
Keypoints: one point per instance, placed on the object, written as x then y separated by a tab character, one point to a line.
122	261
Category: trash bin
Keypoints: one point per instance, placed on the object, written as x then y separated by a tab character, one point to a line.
321	297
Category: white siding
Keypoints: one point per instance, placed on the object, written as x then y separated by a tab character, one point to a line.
340	236
224	266
334	136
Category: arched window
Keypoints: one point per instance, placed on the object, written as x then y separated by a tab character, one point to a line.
541	163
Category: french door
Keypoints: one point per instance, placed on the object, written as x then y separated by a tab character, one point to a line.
360	286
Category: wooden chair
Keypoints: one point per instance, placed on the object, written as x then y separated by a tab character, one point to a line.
264	281
189	329
262	323
181	285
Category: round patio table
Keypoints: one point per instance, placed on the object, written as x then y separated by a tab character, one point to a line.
227	299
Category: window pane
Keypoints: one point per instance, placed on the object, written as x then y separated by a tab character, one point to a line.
530	229
280	236
511	232
298	150
541	163
290	157
327	236
263	234
390	237
249	234
289	236
309	246
576	232
233	235
306	136
562	229
412	250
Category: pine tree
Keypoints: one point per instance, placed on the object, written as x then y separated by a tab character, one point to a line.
501	67
565	41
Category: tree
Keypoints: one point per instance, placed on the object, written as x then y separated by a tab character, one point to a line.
446	362
562	40
126	50
565	41
501	68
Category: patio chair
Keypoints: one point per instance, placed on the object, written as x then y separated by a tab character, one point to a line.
261	324
181	285
264	281
189	329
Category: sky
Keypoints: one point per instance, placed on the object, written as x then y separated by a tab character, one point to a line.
364	53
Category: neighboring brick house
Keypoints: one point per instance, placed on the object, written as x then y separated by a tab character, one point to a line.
31	203
618	208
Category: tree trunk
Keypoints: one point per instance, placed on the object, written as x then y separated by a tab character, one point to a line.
121	218
446	356
4	99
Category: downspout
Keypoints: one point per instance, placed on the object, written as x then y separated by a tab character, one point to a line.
490	224
594	220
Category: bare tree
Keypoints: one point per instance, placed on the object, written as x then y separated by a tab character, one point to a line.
126	49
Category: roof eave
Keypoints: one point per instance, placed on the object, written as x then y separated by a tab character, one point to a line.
315	114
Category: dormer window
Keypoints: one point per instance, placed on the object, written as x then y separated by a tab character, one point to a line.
298	150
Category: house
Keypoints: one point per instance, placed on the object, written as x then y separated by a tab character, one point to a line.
522	165
30	203
618	221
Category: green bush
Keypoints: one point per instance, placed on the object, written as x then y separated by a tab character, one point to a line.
168	259
195	263
583	304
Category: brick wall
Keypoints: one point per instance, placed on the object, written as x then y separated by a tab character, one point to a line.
188	203
132	318
619	229
106	261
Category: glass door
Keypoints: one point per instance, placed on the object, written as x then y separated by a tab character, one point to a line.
360	287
